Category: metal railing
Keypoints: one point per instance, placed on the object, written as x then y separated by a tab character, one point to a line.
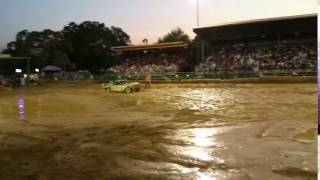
182	76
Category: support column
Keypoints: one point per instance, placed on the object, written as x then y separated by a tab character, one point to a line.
28	71
202	51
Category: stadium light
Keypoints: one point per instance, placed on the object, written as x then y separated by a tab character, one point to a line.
197	2
198	12
18	70
198	24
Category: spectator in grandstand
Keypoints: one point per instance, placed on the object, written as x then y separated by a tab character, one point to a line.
163	63
281	56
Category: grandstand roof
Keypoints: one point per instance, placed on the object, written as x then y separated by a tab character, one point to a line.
9	57
259	27
170	45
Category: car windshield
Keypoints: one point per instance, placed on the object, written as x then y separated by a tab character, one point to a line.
119	82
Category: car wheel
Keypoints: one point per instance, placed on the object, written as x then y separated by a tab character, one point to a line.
128	90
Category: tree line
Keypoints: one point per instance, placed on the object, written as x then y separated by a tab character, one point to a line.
77	46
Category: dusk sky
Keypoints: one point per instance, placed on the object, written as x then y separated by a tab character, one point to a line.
139	18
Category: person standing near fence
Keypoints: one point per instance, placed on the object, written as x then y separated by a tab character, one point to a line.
148	81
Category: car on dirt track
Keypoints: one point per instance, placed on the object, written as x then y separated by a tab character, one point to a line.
121	86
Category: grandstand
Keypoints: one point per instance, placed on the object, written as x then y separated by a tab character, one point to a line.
153	58
283	46
273	44
301	26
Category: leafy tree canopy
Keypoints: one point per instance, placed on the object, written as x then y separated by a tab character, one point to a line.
84	46
175	35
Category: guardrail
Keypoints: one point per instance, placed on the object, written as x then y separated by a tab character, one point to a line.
180	76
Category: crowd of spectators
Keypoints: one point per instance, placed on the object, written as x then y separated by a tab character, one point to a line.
153	63
272	57
238	57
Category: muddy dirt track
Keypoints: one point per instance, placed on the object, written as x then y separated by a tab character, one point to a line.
217	131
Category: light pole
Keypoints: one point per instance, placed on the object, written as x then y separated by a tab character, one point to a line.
198	13
198	24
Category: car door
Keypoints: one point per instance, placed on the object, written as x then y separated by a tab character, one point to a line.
118	87
115	87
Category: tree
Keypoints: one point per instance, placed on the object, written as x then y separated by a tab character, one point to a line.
145	41
90	43
41	46
122	38
20	47
175	35
84	46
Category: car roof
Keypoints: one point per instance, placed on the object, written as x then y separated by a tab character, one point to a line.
120	81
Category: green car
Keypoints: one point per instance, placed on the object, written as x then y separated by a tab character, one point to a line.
122	86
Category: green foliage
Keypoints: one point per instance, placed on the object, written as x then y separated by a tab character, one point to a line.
77	46
175	35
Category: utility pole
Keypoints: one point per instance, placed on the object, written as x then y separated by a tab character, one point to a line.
198	24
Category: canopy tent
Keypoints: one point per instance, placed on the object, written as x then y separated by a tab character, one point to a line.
51	68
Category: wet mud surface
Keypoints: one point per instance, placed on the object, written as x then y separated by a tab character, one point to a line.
222	131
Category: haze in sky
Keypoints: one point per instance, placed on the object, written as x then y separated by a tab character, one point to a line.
139	18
